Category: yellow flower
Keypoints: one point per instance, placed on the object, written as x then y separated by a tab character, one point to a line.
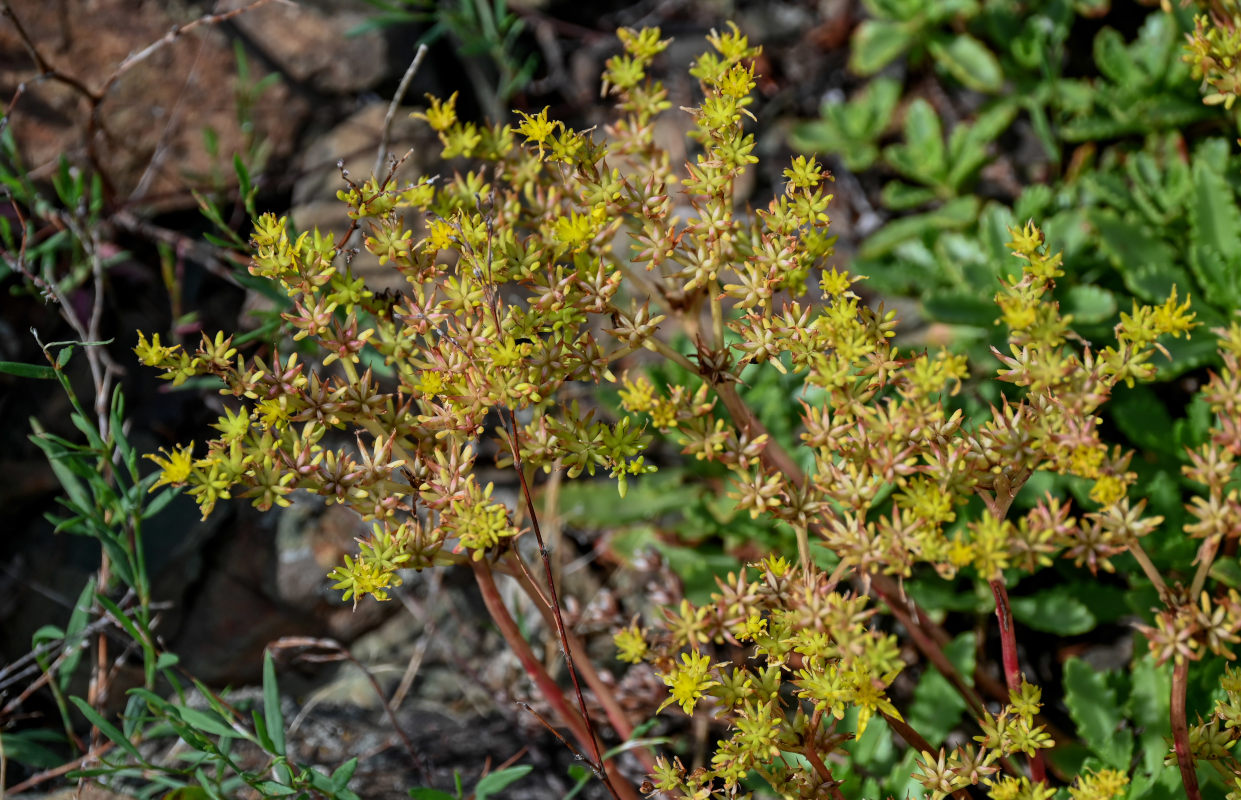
637	396
688	681
441	235
175	466
631	643
153	354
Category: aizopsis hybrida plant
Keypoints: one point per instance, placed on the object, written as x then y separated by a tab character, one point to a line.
539	272
516	294
900	487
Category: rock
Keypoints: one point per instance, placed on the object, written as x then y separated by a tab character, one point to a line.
310	44
149	143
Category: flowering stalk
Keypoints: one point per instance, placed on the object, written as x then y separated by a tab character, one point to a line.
618	787
1012	671
1180	730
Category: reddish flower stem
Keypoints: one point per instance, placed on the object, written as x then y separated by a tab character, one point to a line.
1012	670
619	788
932	652
812	755
616	715
1180	730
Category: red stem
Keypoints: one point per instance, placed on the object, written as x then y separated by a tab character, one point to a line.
1180	730
812	755
619	788
603	693
1012	670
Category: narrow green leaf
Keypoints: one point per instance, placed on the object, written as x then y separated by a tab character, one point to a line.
210	723
26	747
500	780
24	370
429	794
107	729
161	500
342	775
271	704
273	789
73	633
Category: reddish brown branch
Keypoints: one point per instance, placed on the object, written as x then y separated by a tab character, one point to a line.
933	652
1180	730
812	755
1012	670
577	723
616	715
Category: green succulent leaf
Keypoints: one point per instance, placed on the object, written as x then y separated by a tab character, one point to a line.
876	43
1054	611
1113	59
970	62
922	155
900	196
1094	708
954	214
958	307
1089	305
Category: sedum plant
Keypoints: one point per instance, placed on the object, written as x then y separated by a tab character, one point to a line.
559	265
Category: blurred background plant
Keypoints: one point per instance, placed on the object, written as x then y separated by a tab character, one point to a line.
485	34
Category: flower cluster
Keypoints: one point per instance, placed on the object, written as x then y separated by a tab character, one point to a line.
561	261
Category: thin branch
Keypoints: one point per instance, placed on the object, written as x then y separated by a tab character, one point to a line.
603	693
521	648
385	135
56	772
812	755
933	653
